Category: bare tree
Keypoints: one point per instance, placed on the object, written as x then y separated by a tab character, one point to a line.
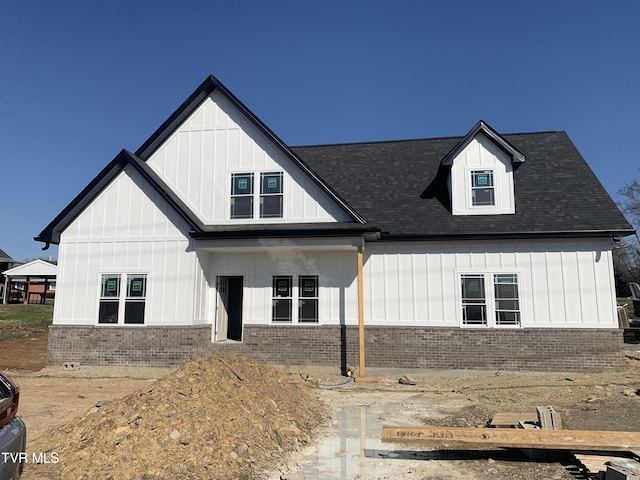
630	204
626	253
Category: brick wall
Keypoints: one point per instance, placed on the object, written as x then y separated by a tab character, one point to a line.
398	347
136	346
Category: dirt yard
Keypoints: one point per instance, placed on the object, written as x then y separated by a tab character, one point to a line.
84	421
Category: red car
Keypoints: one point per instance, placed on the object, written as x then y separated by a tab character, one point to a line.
13	431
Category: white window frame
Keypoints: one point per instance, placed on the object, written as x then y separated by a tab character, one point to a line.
472	172
123	298
257	194
296	299
234	195
490	299
265	195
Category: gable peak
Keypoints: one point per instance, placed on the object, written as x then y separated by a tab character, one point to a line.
491	134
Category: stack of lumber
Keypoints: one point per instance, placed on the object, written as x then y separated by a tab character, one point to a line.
603	455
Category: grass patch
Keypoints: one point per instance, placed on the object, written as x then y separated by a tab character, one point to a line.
24	321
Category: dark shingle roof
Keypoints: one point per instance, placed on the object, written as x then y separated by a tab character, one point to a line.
399	187
4	257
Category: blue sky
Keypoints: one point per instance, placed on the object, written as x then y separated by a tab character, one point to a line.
82	80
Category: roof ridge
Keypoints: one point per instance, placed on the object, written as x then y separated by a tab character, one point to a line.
403	140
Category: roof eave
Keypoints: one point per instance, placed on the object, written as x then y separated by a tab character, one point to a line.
51	234
285	233
521	235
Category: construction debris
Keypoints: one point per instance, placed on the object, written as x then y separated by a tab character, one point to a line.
545	418
626	463
513	438
548	418
407	380
512	420
620	473
220	417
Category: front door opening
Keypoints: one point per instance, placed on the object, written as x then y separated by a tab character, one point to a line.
229	309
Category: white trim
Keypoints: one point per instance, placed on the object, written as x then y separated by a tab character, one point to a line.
295	299
482	209
257	172
122	297
490	296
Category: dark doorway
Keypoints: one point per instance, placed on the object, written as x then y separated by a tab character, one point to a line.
234	308
229	309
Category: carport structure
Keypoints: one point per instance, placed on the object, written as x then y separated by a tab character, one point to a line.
36	271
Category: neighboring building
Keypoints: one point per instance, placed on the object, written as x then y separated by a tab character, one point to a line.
6	262
481	251
31	282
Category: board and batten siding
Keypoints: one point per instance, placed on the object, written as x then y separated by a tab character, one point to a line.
482	154
336	271
197	161
562	283
128	228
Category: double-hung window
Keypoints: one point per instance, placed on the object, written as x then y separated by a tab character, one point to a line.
135	299
269	204
506	298
286	294
282	298
271	195
109	299
122	303
308	298
474	300
242	195
493	306
482	188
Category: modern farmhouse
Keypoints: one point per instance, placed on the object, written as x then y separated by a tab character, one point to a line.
480	251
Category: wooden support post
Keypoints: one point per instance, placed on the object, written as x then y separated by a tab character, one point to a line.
26	291
513	438
7	290
360	312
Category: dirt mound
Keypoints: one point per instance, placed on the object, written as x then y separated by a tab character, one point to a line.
221	417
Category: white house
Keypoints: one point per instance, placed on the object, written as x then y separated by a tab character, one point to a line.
482	251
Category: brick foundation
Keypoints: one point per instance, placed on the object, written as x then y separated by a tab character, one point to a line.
397	347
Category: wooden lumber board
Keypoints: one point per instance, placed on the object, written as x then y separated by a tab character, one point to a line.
598	464
593	463
365	379
513	438
511	420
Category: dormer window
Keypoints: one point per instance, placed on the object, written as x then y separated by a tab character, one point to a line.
482	188
481	179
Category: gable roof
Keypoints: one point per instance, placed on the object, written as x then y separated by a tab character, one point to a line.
38	268
5	258
205	89
495	137
51	233
399	186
